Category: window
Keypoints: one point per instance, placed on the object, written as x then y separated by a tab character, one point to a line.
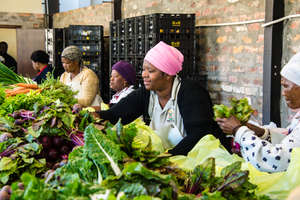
66	5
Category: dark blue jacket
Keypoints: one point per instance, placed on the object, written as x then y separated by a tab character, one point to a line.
42	75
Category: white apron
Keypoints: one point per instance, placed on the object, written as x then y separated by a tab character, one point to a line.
167	122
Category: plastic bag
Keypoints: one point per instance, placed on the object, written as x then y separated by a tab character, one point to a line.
276	185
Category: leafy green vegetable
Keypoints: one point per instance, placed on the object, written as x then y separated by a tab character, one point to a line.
137	180
8	77
233	183
101	148
54	89
239	109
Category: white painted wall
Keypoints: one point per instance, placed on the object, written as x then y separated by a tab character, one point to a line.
22	6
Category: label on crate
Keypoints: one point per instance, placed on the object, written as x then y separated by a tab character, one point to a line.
175	44
176	23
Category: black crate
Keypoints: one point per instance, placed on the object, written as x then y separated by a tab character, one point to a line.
152	39
130	27
121	28
121	46
131	60
83	32
130	46
169	23
114	46
113	61
181	21
140	45
113	27
93	62
139	61
90	49
140	25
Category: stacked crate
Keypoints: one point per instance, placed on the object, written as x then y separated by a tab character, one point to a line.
89	39
54	46
131	38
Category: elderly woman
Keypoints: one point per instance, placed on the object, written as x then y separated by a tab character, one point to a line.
180	111
122	80
80	78
269	149
40	64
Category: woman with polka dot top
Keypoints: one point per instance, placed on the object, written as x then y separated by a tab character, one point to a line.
267	149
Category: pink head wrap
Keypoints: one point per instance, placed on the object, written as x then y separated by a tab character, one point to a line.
165	58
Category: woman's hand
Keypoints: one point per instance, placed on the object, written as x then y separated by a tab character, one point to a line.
228	124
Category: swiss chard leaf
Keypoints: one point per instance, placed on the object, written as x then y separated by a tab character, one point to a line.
101	149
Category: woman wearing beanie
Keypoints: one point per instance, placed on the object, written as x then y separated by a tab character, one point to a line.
180	111
40	64
80	78
122	80
270	150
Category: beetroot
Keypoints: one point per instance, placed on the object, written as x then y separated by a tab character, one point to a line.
57	141
46	142
53	154
65	149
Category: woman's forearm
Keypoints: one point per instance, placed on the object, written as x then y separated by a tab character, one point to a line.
257	130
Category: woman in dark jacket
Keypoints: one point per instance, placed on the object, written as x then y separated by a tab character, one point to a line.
180	111
40	64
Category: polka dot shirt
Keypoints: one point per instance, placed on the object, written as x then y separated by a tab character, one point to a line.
265	155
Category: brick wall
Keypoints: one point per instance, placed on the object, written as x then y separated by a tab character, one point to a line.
93	15
230	56
26	20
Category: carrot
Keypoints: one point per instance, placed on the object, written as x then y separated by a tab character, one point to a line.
27	85
15	92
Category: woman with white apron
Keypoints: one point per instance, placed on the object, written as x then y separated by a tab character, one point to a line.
80	78
179	111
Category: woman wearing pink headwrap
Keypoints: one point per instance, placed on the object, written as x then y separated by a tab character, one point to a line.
180	111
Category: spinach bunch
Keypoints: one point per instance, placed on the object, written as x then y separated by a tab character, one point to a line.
240	109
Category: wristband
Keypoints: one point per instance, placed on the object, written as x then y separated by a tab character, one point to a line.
266	134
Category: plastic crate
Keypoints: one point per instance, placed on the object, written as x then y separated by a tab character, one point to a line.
113	60
131	60
130	46
130	27
140	25
82	32
169	23
121	46
113	27
114	46
140	49
139	61
121	28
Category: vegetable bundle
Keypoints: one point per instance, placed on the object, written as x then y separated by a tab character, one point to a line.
240	109
8	77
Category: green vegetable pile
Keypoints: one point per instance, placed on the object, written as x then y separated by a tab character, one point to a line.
240	109
91	159
102	169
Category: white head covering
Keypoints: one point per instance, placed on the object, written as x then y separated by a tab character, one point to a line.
291	70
